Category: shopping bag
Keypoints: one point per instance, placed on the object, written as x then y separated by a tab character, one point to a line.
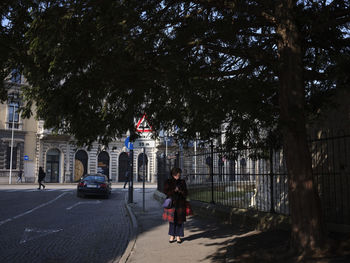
167	203
189	210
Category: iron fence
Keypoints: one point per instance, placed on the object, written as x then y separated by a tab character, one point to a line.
257	178
330	153
248	178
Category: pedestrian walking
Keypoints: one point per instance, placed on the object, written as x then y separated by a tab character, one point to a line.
20	174
176	189
41	177
127	178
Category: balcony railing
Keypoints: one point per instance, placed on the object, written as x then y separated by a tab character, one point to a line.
16	126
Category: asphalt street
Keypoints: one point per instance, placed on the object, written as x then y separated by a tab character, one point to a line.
54	225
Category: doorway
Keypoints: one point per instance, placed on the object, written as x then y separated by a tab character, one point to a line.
123	166
53	166
80	164
103	163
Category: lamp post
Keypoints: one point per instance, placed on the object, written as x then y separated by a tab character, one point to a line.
12	99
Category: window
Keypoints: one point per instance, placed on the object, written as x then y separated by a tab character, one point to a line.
13	116
15	76
14	158
95	178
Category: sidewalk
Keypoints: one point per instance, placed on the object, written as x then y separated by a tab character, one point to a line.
208	240
205	240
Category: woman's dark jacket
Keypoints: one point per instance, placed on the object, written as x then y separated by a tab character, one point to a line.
179	198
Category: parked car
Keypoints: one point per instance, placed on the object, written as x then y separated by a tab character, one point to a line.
94	184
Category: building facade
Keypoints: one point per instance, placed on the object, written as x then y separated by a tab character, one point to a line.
32	147
65	162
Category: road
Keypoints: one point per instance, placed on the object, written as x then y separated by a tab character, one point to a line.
54	225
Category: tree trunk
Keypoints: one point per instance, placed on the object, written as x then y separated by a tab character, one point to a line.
307	223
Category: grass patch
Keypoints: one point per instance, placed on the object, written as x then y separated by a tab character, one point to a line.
206	196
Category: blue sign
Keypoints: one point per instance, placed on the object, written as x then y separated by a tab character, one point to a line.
26	157
129	144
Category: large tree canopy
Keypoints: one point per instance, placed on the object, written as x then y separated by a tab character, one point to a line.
259	67
13	16
114	60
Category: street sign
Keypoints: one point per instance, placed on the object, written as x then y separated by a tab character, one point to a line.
143	125
26	157
144	143
128	144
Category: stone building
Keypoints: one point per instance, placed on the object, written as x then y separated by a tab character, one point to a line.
17	132
66	162
62	160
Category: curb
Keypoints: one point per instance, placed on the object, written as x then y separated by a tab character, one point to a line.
134	231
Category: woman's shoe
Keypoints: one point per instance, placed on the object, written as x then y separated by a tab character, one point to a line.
172	239
179	241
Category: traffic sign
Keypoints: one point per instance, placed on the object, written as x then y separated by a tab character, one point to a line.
144	143
129	144
26	157
143	125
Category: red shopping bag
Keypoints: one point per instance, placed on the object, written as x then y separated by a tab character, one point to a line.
189	210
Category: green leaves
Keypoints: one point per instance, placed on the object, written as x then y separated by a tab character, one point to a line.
94	66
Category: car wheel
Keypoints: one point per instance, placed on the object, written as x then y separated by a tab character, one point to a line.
106	196
80	194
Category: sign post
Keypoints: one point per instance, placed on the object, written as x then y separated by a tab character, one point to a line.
131	176
129	145
143	127
143	178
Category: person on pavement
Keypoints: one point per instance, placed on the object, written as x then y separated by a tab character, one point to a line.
127	179
20	174
176	189
41	177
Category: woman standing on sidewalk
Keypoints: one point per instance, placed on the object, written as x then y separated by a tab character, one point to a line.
176	189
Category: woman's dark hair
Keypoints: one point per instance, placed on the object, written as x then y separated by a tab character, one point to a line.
175	171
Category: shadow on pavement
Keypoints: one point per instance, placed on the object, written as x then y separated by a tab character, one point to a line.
208	240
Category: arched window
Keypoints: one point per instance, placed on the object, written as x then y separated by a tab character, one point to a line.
103	163
80	164
123	166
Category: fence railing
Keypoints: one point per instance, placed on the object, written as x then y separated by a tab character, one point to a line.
330	154
257	178
238	179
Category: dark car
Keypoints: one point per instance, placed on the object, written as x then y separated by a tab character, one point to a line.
94	184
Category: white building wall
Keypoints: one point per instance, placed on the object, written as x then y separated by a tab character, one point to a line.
67	158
